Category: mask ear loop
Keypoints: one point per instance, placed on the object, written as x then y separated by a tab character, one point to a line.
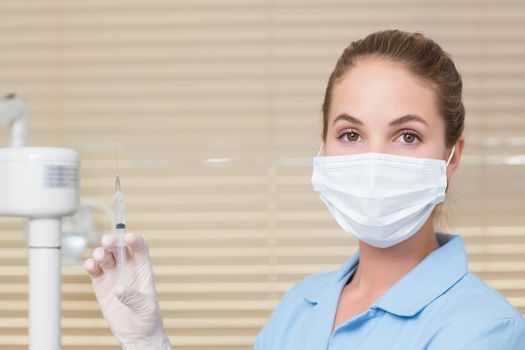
451	155
448	162
320	149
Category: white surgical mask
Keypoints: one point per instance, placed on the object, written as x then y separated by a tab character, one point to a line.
381	199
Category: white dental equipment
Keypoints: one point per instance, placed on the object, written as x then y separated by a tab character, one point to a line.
13	112
41	184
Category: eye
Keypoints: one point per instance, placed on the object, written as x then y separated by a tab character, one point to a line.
349	136
409	137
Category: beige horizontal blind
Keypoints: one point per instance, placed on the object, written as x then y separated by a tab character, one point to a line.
215	106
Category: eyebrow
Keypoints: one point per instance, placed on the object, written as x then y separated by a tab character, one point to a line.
401	120
408	118
348	118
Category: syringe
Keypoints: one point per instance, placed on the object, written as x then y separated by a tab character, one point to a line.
120	229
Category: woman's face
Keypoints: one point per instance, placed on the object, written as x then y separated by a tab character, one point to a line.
379	106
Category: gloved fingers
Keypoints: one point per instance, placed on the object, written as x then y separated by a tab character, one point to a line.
135	300
104	258
92	268
109	242
138	245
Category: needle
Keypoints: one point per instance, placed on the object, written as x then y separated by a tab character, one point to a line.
120	220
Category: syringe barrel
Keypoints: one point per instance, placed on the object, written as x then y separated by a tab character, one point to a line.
120	211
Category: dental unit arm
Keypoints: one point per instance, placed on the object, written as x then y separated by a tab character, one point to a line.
13	112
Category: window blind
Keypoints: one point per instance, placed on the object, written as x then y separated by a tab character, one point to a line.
216	110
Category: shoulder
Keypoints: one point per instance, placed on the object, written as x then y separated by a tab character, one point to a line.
480	300
291	305
306	289
311	284
478	317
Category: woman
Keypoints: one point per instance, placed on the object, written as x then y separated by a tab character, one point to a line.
392	140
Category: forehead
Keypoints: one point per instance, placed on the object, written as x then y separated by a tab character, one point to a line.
377	90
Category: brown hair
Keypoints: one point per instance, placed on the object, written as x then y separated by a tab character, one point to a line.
423	57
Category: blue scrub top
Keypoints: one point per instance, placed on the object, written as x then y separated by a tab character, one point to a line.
438	305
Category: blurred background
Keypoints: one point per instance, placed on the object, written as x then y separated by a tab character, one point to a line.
216	110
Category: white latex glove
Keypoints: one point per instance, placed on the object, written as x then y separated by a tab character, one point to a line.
132	311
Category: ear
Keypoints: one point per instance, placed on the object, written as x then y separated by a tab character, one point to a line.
456	158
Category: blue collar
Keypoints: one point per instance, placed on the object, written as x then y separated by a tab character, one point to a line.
432	277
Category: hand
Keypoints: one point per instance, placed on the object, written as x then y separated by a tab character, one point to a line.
132	311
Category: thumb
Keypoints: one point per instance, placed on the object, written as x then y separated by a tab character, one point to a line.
136	301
